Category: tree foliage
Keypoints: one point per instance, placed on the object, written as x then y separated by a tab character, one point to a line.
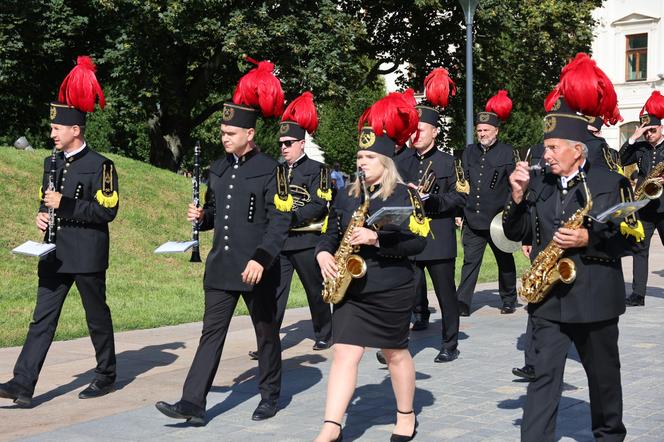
168	65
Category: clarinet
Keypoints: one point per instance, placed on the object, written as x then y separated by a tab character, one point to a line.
50	236
195	191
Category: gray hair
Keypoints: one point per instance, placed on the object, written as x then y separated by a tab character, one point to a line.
584	146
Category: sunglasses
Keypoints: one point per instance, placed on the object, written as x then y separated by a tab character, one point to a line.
287	143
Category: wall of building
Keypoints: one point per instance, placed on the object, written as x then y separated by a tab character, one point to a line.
616	20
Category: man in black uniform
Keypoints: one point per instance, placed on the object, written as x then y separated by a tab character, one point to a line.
309	183
487	165
84	201
427	163
647	154
249	208
584	312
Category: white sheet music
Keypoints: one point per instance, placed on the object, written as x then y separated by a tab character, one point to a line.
32	248
175	246
621	210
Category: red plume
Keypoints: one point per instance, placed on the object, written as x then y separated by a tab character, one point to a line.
260	89
409	96
437	87
500	104
654	105
80	88
551	99
395	116
303	111
614	117
587	89
364	118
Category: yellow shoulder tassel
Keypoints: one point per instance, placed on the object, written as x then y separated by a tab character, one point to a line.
620	170
41	193
635	231
107	201
323	228
283	205
324	194
419	228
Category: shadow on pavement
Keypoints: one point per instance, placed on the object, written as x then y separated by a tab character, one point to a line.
130	363
374	404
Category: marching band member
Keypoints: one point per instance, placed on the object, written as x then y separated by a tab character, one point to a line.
249	207
85	201
647	154
487	165
377	307
552	211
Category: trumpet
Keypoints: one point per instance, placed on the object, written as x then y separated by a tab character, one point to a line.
427	180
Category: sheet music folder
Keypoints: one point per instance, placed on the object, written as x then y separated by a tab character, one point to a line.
175	246
389	215
32	248
621	210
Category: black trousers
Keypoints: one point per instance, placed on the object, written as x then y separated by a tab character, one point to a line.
640	268
51	294
597	344
219	308
528	347
304	262
474	243
442	277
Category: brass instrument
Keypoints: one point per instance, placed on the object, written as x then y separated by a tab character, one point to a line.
350	264
651	187
548	267
301	197
462	185
427	180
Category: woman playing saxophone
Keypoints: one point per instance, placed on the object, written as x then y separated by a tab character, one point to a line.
375	311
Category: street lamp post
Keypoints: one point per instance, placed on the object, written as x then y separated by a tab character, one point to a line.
469	7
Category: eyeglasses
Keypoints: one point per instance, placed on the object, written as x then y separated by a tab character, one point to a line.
287	143
652	130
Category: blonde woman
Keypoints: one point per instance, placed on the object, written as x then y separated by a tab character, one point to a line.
376	309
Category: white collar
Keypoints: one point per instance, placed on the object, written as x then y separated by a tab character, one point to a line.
71	154
566	179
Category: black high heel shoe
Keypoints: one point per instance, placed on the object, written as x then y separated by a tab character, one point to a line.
339	438
401	437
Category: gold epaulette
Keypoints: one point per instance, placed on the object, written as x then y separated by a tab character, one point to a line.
283	200
418	222
631	226
324	189
107	196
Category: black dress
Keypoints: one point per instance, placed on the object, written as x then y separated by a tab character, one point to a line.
376	309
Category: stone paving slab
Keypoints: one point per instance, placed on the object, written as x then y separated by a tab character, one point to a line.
474	398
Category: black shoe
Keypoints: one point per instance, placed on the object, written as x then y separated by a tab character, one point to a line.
526	372
265	410
253	355
381	357
97	388
508	308
339	438
21	396
447	355
183	410
464	310
321	345
421	322
635	300
401	437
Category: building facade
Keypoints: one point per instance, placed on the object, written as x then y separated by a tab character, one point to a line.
629	47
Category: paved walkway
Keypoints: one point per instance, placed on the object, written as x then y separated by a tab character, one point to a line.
472	399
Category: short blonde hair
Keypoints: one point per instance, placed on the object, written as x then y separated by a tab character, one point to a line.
388	182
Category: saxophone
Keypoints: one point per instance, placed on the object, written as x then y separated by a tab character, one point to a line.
548	267
651	187
350	264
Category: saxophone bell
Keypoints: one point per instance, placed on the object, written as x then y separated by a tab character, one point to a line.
566	270
356	266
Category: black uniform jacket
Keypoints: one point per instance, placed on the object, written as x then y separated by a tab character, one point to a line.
598	293
488	175
239	205
442	204
305	173
646	157
388	266
81	235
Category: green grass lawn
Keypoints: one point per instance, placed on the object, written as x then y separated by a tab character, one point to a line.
144	290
